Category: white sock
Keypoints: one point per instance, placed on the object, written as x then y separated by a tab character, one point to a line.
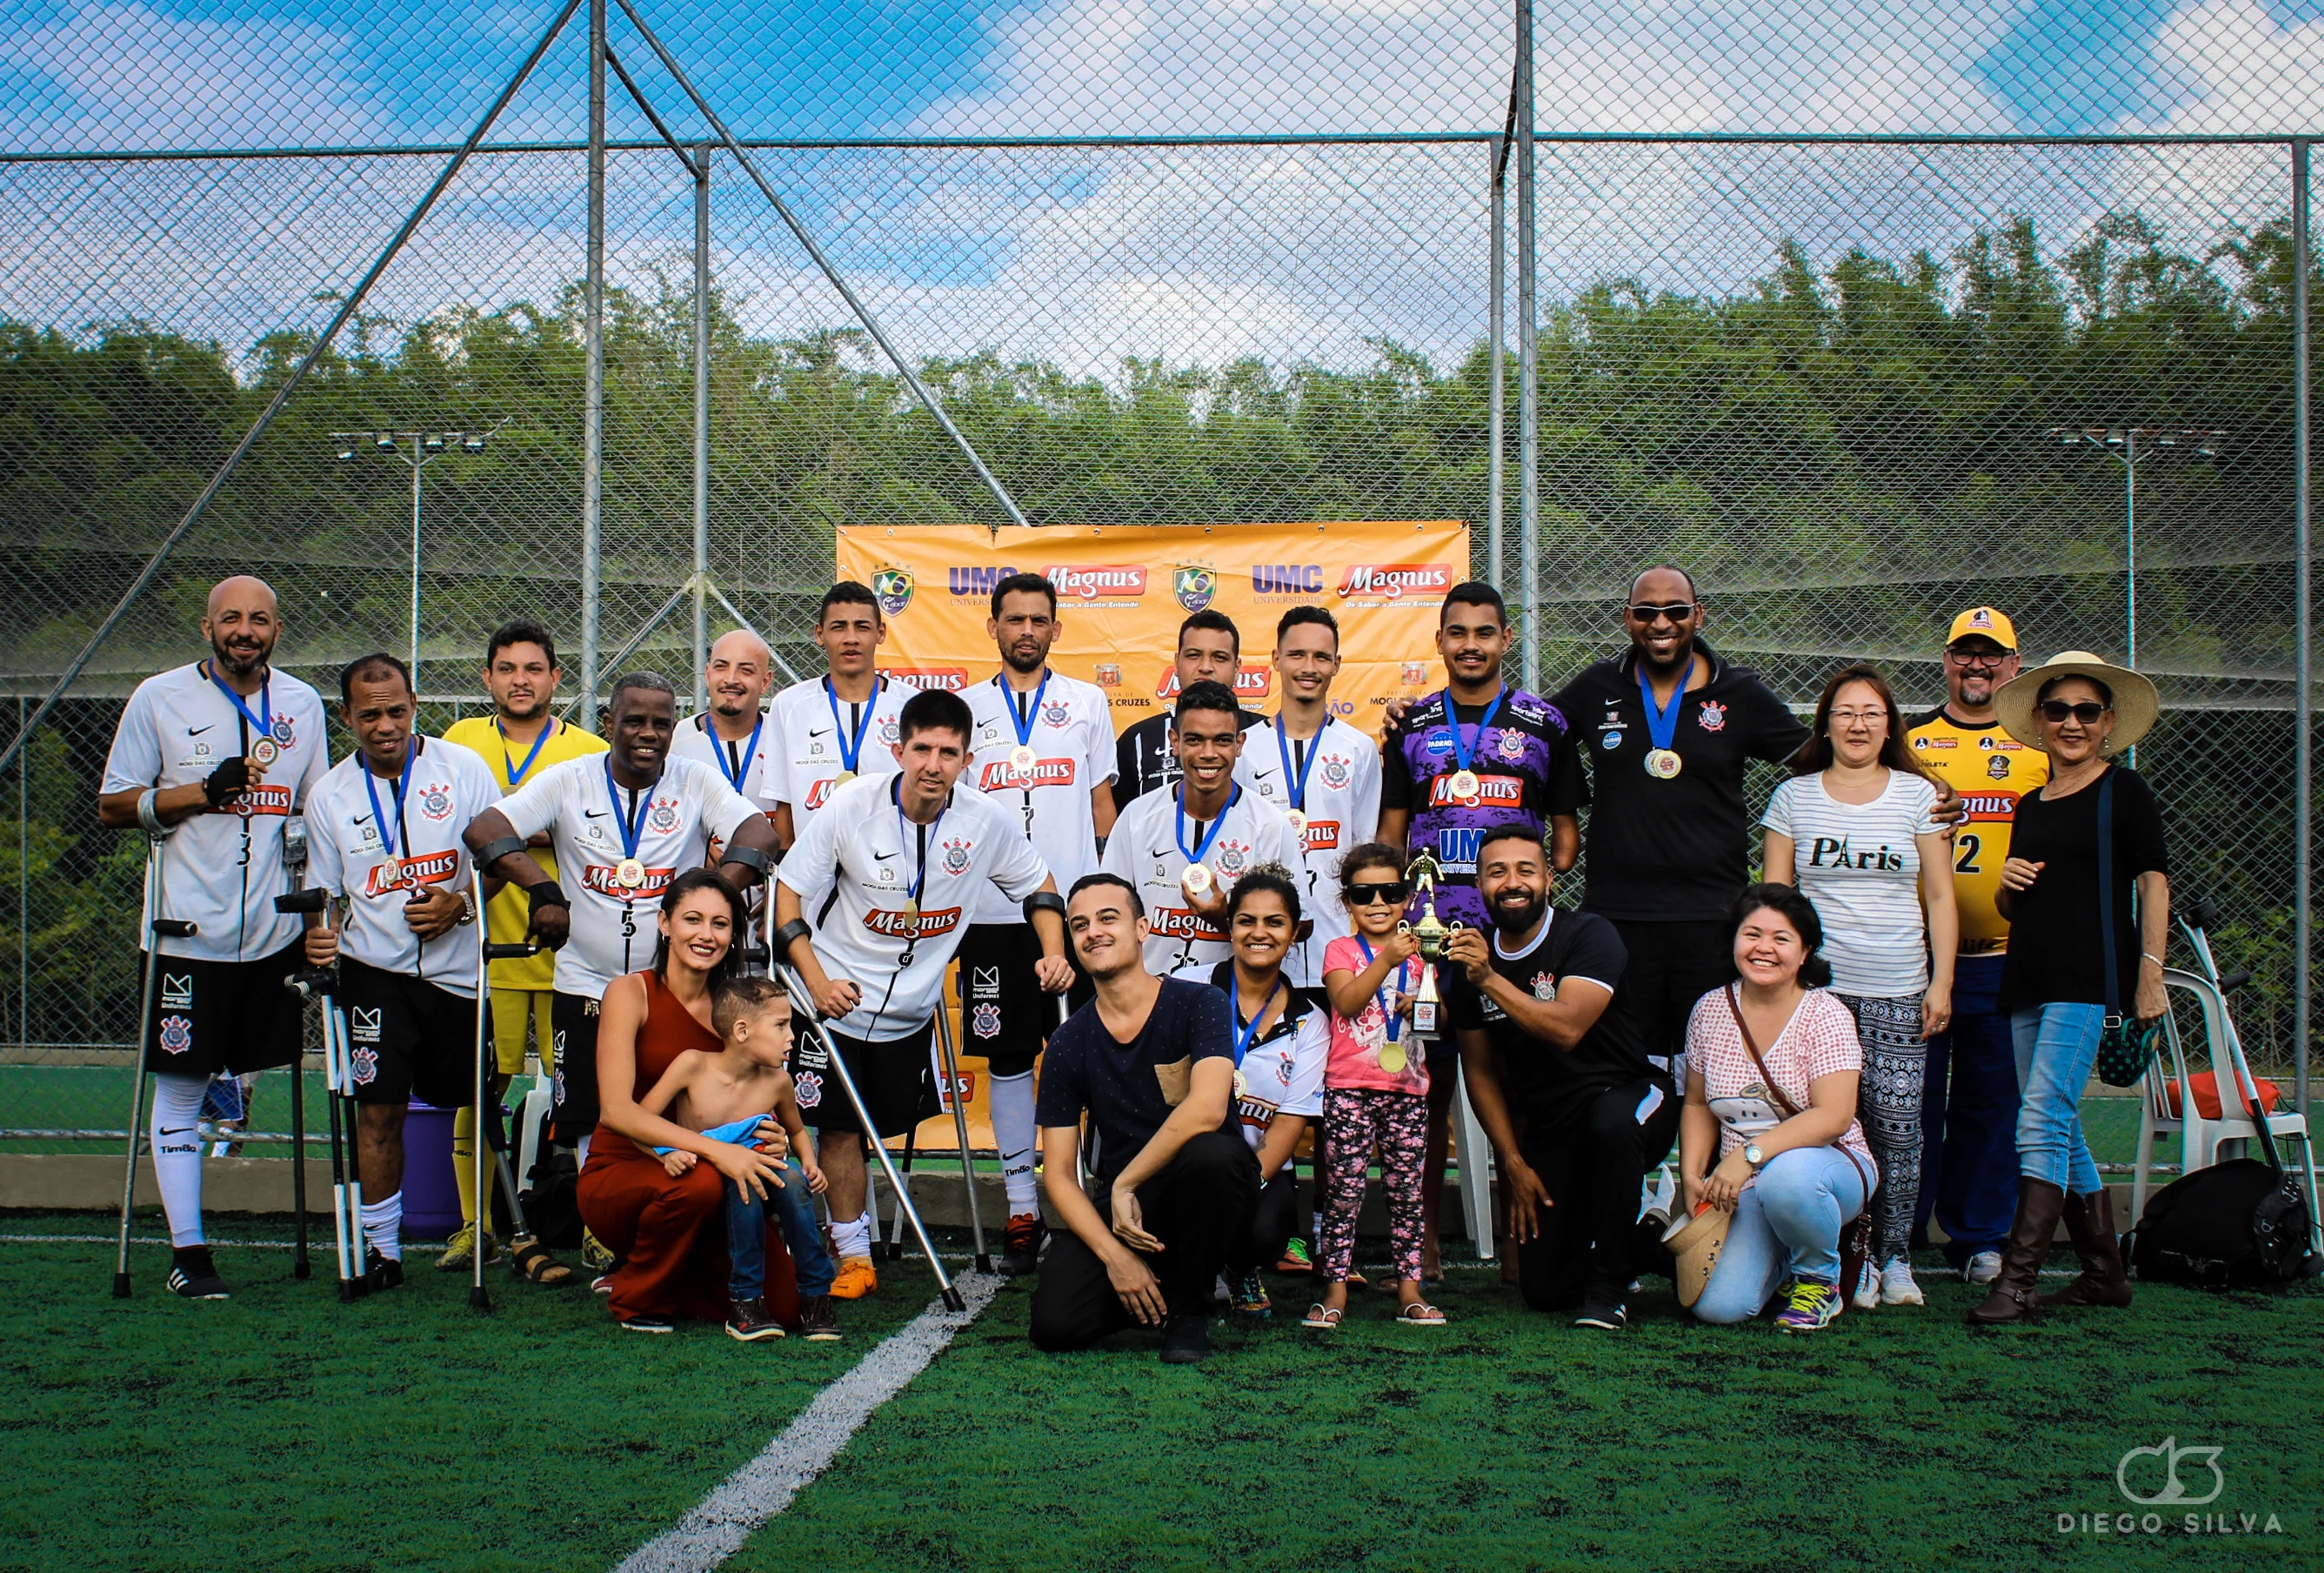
383	1223
581	1154
178	1153
852	1239
1013	1129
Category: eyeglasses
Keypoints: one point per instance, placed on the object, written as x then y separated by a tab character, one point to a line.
2087	712
1374	892
1677	612
1851	718
1967	658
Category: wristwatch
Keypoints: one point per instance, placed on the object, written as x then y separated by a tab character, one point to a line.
467	908
1753	1156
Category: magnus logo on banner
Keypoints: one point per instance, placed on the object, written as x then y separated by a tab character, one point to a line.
898	925
1288	578
1396	581
1252	683
950	678
999	775
1089	584
427	868
977	582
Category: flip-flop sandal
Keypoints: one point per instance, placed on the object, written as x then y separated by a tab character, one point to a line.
1322	1317
530	1261
1421	1314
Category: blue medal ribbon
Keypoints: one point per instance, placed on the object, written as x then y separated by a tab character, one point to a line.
1297	786
517	773
919	874
634	822
1386	1001
1662	721
1178	827
1463	752
262	723
402	783
850	750
750	749
1021	721
1245	1033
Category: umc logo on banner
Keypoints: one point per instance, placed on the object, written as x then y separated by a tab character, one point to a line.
1288	578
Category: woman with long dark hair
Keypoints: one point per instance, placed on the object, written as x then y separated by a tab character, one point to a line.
1853	829
669	1231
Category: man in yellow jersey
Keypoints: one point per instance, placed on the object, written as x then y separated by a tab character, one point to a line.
518	740
1969	1164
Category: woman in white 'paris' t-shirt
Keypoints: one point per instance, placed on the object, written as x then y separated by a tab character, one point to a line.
1851	829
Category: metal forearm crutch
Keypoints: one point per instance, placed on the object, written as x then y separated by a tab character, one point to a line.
960	1132
299	900
156	927
321	984
488	1136
803	1009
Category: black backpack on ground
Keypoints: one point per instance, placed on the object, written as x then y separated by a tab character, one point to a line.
2239	1225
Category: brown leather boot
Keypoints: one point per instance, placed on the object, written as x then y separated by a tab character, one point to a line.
2030	1232
2089	1220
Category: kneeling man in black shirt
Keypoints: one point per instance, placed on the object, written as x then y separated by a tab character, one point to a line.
1151	1060
1576	1112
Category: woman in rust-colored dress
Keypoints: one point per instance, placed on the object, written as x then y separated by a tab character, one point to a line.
669	1232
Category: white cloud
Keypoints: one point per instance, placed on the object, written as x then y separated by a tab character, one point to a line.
140	78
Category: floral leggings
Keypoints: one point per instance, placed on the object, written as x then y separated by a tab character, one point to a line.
1354	1118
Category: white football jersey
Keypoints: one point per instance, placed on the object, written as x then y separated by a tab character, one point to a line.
222	868
583	810
348	850
1283	1073
854	872
1342	801
1145	850
809	737
746	754
1069	724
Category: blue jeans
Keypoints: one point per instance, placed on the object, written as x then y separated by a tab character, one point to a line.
746	1238
1968	1156
2056	1046
1786	1227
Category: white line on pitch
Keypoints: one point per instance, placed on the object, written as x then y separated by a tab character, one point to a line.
717	1527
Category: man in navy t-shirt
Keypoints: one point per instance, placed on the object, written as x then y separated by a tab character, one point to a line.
1151	1061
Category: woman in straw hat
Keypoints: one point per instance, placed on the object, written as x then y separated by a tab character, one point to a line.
2082	711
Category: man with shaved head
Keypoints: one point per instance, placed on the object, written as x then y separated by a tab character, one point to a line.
732	735
211	759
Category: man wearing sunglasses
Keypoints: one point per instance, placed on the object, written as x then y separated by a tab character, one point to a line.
1670	729
1968	1162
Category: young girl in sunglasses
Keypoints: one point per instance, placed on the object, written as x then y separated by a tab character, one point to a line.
1375	1085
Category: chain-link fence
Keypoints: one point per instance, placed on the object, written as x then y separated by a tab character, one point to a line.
1828	334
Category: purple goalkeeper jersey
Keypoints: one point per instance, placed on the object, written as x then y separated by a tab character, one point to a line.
1525	771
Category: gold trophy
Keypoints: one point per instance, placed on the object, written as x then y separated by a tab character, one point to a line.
1432	931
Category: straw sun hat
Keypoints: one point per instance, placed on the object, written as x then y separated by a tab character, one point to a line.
2135	702
1695	1243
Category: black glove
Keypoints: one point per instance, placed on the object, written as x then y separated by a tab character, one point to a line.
229	780
548	894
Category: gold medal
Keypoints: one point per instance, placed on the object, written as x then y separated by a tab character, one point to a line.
391	870
1392	1058
1298	817
630	875
263	752
1663	763
1465	784
1196	881
1242	1084
912	911
1023	758
843	777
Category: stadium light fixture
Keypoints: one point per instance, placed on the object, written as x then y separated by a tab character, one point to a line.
473	442
384	441
417	449
432	444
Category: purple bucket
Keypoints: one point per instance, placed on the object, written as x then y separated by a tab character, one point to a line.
432	1201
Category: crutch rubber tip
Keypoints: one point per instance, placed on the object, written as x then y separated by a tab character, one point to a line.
120	1286
480	1298
302	1271
347	1292
952	1300
985	1262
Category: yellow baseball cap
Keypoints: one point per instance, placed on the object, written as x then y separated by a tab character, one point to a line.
1984	622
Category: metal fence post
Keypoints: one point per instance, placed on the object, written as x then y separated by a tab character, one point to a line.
1500	271
1528	366
2303	978
593	413
701	417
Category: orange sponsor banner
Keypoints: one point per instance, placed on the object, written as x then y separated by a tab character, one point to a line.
1122	590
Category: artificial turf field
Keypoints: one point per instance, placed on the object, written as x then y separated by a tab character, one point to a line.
280	1430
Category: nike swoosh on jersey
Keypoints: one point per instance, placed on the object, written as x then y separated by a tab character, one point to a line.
825	733
178	1130
881	856
595	813
195	732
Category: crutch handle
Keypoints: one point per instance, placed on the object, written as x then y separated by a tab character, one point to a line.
311	982
174	927
303	901
510	952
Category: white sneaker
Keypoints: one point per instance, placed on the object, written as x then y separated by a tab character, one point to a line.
1867	1289
1983	1268
1896	1285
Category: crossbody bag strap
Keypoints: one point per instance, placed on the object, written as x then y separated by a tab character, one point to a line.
1767	1078
2106	895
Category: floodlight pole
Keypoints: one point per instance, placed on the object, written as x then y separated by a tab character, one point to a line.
701	419
2303	758
593	413
1494	399
1528	366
